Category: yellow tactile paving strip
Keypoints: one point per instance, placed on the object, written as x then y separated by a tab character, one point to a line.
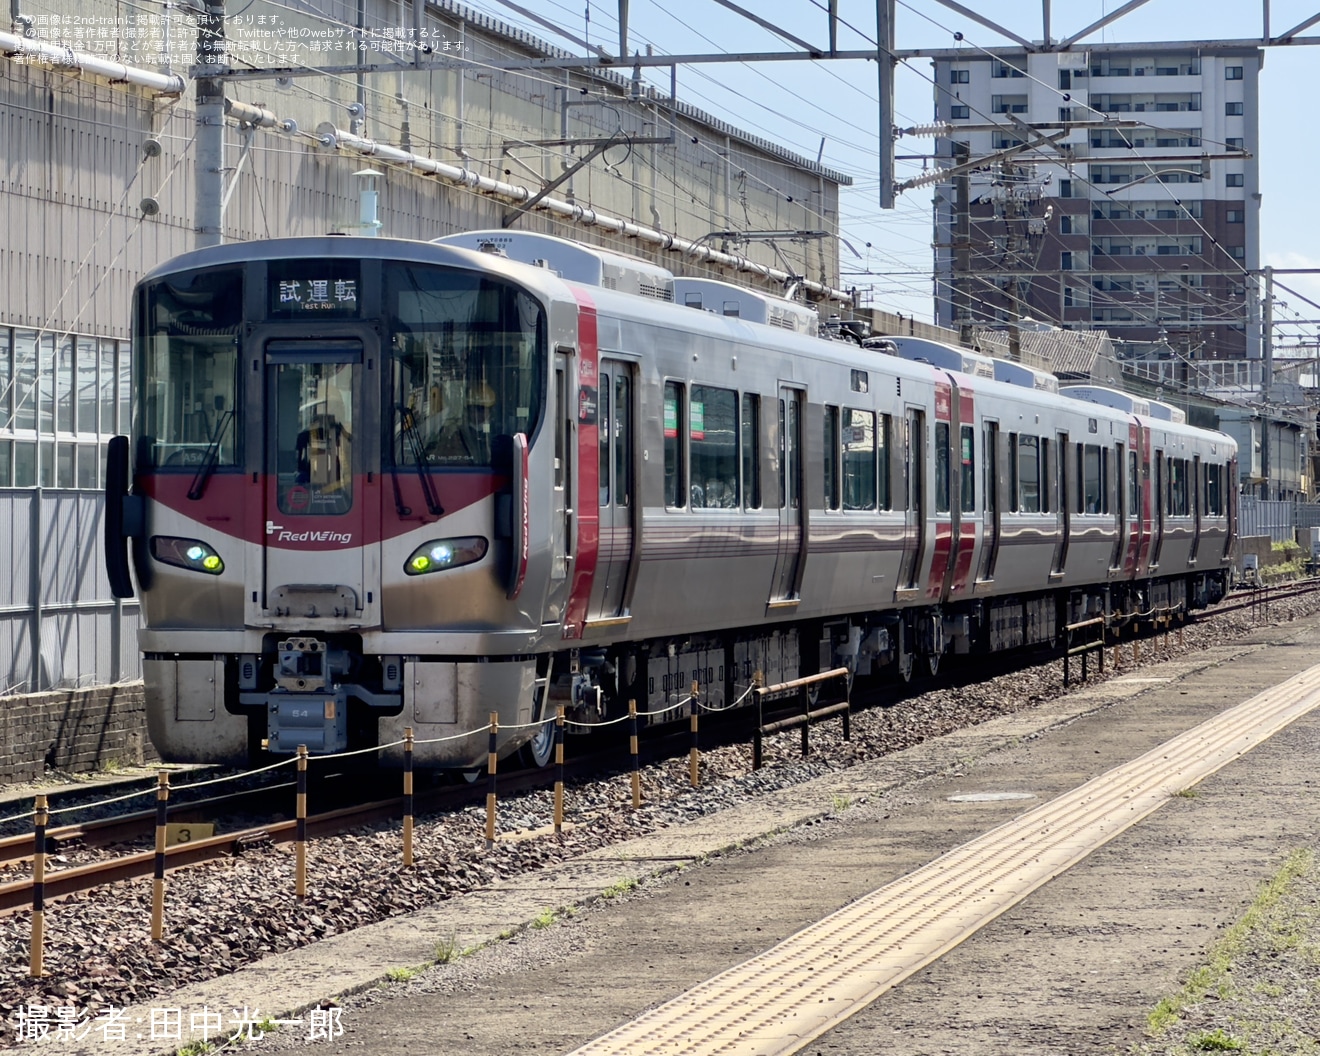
778	1002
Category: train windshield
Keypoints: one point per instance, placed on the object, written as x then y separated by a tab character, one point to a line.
467	365
188	336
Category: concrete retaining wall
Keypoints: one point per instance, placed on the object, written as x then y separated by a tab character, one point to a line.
77	730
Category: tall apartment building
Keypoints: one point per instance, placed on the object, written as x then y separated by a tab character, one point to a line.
1151	236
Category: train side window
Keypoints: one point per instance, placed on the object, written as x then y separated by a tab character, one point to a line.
560	429
1091	475
622	431
675	477
968	470
831	463
603	431
1178	504
990	468
1013	472
1048	484
884	493
1028	458
858	460
1213	495
942	467
751	451
1133	485
713	446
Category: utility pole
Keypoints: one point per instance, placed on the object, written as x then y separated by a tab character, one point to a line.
210	176
1266	377
962	244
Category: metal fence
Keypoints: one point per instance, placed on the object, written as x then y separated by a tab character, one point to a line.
1277	518
60	627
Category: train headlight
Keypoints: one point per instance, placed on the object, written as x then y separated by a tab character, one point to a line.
191	554
440	554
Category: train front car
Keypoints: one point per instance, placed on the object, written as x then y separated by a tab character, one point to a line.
336	442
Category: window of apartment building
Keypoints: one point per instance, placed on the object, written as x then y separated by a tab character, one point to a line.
1065	188
1065	78
959	76
1233	109
1008	104
959	113
1234	143
1234	179
1065	113
1232	73
1237	252
1003	69
1004	142
1234	216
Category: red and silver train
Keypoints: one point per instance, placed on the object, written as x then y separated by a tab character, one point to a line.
376	483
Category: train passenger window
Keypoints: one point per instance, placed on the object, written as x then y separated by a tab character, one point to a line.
831	463
1133	485
1048	485
1178	487
1091	475
968	470
603	438
1013	472
859	460
622	440
713	447
751	451
1213	490
884	493
941	467
1028	474
675	477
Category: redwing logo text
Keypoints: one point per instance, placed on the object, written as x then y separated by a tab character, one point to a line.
315	537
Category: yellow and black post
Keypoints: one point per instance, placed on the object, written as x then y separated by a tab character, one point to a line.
492	760
39	822
559	770
158	879
636	761
407	796
694	753
300	844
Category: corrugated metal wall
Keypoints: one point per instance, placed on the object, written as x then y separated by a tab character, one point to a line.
58	596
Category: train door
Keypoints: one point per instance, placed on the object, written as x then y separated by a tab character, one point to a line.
1114	481
792	513
1157	508
914	474
318	433
618	505
990	459
967	520
1063	504
564	404
1132	523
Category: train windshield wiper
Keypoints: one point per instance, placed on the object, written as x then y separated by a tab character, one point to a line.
209	460
408	426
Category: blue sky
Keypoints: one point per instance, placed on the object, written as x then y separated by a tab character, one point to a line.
798	104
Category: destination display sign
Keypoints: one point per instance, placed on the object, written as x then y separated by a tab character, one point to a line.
299	287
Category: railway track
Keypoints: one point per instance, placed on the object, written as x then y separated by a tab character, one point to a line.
139	826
